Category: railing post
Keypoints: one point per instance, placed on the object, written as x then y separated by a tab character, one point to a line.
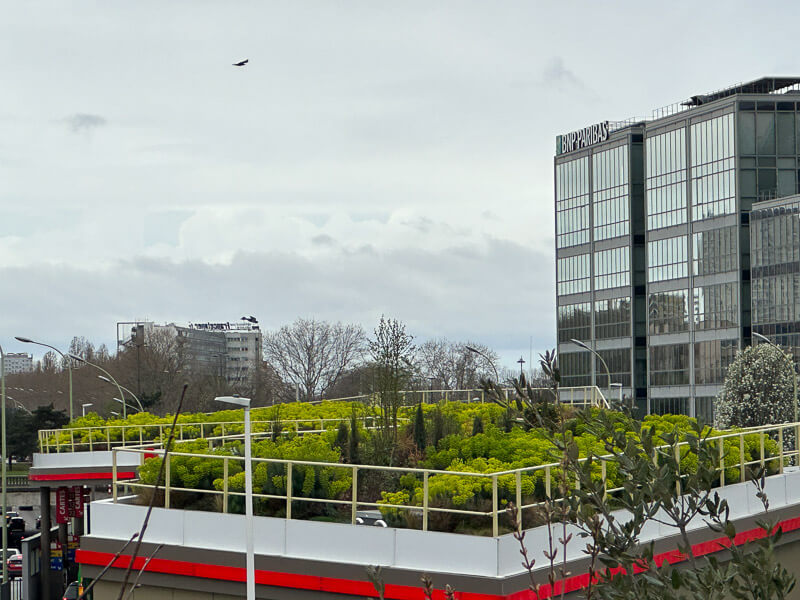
547	481
518	485
289	490
141	435
91	440
603	478
225	485
796	445
108	437
425	501
72	439
160	432
495	529
721	462
114	475
780	449
761	444
201	431
741	457
355	496
678	469
166	479
181	431
223	432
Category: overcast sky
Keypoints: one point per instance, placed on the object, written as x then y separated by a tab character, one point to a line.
373	157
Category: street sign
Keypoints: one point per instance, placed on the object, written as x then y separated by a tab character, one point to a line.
76	495
62	505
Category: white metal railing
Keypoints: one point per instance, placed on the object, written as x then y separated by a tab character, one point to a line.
731	463
106	437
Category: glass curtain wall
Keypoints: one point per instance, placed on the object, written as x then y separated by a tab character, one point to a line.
666	179
610	190
572	203
712	171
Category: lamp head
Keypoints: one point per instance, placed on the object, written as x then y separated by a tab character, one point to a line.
76	357
23	339
235	400
104	378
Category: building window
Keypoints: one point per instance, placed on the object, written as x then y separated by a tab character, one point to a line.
776	236
612	318
575	322
610	212
711	360
714	251
716	306
619	366
712	172
669	365
612	268
667	259
668	312
573	274
704	409
666	179
669	406
572	203
575	368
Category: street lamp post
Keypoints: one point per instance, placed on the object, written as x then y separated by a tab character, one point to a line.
106	379
5	460
69	365
248	491
114	381
765	339
83	408
489	360
521	362
585	347
123	403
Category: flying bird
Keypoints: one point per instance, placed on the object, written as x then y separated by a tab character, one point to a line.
242	63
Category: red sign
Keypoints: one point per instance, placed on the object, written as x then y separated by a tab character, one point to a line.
62	505
76	495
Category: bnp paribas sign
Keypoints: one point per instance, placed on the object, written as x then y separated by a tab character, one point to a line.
582	138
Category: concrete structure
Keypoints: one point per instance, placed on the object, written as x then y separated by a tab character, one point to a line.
18	362
653	239
203	553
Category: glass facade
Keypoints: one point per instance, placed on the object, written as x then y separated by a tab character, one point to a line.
669	365
612	268
575	322
610	200
716	306
575	368
775	284
619	366
668	312
667	259
666	179
715	251
669	406
612	318
711	360
573	274
572	203
712	171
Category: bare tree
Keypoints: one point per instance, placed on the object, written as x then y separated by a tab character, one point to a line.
314	354
452	366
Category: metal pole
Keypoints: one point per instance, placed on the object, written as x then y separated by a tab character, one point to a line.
5	460
44	571
605	366
248	490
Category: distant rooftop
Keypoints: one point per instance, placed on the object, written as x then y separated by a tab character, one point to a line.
765	85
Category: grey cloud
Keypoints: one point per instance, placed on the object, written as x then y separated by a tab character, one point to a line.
81	122
556	73
323	240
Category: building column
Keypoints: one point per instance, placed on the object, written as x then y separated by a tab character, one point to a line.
44	570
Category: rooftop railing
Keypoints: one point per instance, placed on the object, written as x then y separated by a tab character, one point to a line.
108	437
485	494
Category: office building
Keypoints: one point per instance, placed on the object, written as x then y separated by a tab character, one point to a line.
230	350
653	239
18	362
775	272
